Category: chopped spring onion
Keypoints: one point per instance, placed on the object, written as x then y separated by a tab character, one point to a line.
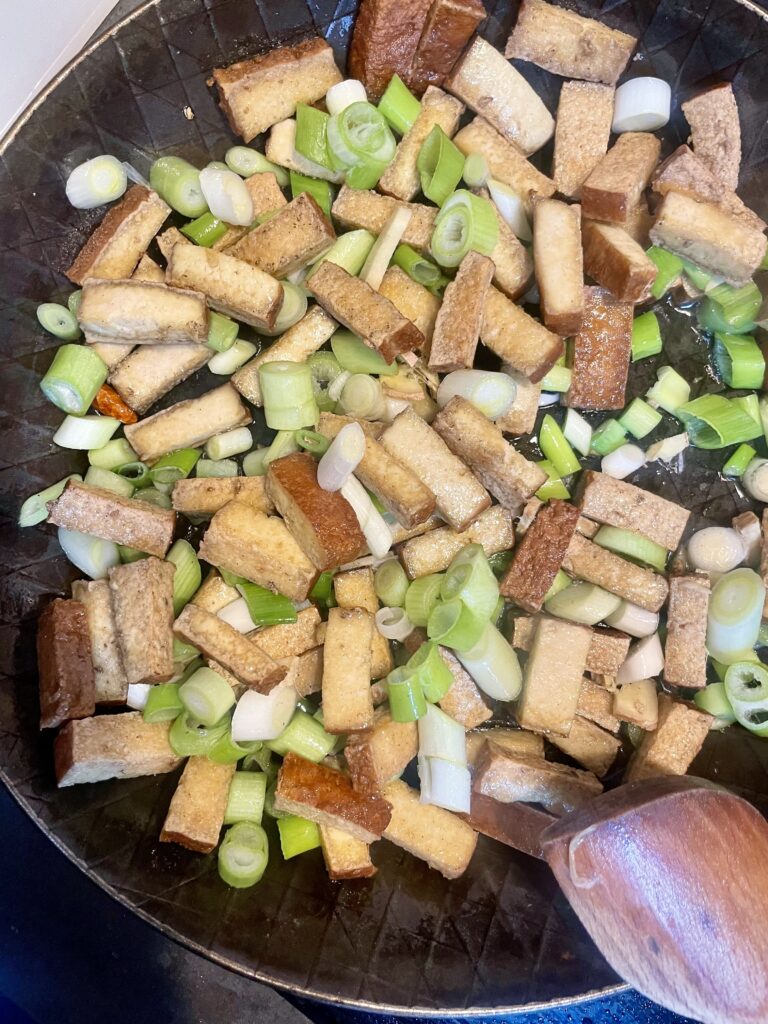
227	197
738	360
225	363
714	700
476	171
112	455
361	144
325	368
418	267
163	703
399	105
755	479
349	251
190	738
344	94
407	702
624	461
465	222
152	496
639	418
311	441
646	336
128	554
470	578
188	575
178	183
205	230
751	405
511	207
644	661
236	615
108	481
231	442
320	191
260	759
670	390
452	624
243	855
633	546
631	618
226	751
342	458
584	603
442	736
184	653
136	697
287	395
560	582
668	270
712	421
60	322
312	135
556	449
266	608
383	249
710	317
668	448
391	583
245	802
393	623
377	533
445	784
284	443
642	105
609	436
207	468
297	835
174	466
577	432
85	432
263	716
97	181
491	392
322	591
222	332
440	164
245	162
735	611
254	463
422	597
431	672
35	508
355	356
552	487
73	301
304	736
362	397
716	549
557	379
91	555
206	696
736	307
746	687
493	665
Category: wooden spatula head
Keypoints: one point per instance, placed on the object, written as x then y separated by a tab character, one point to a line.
670	878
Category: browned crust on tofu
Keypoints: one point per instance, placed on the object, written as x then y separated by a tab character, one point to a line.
607	647
716	132
346	684
104	514
517	825
326	797
448	28
112	747
593	747
602	350
519	741
617	182
457	328
142	602
597	565
414	301
672	746
582	131
568	44
685	649
508	777
142	312
204	496
433	550
323	522
345	857
66	676
110	684
354	208
196	814
616	261
151	371
559	264
357	306
539	555
136	203
355	589
290	240
384	40
463	702
517	339
376	757
596	704
553	675
618	503
289	639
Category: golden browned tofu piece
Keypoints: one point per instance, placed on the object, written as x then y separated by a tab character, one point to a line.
509	777
414	301
434	550
593	747
384	41
457	329
196	815
354	209
517	339
355	589
204	496
267	197
109	682
401	179
601	353
463	702
520	418
346	689
345	857
290	240
460	495
637	703
582	131
67	680
148	270
685	649
381	754
168	239
567	44
142	312
142	604
257	93
259	548
552	677
290	639
517	740
539	555
448	28
596	704
508	475
607	647
112	747
512	262
490	86
430	833
616	261
672	746
559	264
214	594
590	562
618	503
151	371
323	522
119	242
104	514
616	184
716	132
308	676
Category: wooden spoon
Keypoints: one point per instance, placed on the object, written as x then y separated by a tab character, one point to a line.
670	878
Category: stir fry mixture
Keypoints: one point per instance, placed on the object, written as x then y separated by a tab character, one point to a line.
391	580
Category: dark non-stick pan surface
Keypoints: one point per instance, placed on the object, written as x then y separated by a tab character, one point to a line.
501	936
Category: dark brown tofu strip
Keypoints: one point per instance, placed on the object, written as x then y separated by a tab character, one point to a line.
539	555
449	26
601	353
67	683
457	328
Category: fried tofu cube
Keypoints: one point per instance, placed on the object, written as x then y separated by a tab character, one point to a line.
346	687
381	754
590	562
539	555
204	496
354	589
616	261
142	312
67	680
196	815
582	131
142	604
345	857
520	418
671	748
457	328
110	684
293	238
616	184
519	741
447	30
290	639
552	677
509	777
618	503
559	264
428	832
434	551
414	301
593	747
112	747
685	649
716	132
601	353
355	208
384	42
517	339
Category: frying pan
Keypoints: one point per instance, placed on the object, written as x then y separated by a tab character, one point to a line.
502	937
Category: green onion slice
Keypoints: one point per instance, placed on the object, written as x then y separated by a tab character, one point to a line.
714	422
633	546
163	703
59	321
399	106
453	624
35	508
297	835
108	481
639	418
556	449
178	183
418	267
246	161
668	270
739	460
188	575
360	143
407	702
206	696
465	222
320	191
304	735
288	395
311	441
243	855
422	597
440	164
609	436
427	668
554	486
391	584
74	378
738	360
205	230
470	578
190	738
646	336
174	466
312	135
355	356
247	792
714	700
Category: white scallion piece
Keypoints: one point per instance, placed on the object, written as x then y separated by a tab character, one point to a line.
445	784
442	736
734	616
263	716
755	479
511	207
392	407
491	392
393	623
337	385
226	195
493	665
342	458
344	94
716	549
645	660
634	620
375	266
82	433
231	442
584	603
577	432
97	181
135	176
547	398
225	363
237	616
137	695
623	462
91	555
377	534
668	448
641	105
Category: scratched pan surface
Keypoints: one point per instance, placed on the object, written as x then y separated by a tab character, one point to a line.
501	936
